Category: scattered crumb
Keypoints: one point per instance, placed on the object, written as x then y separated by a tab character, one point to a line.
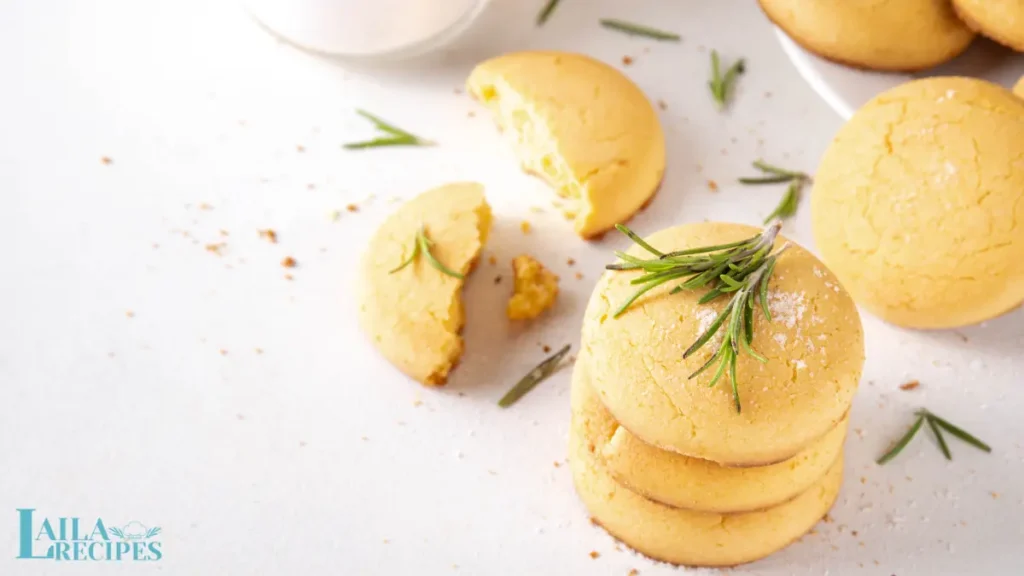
627	60
223	352
223	232
994	495
386	541
853	533
289	277
662	104
215	248
570	262
269	234
546	348
912	385
767	94
310	186
107	160
417	402
579	276
492	260
536	289
633	572
594	554
365	439
471	114
129	314
863	480
300	148
712	185
457	90
827	519
536	209
289	262
205	206
962	336
258	350
497	279
557	464
525	227
352	208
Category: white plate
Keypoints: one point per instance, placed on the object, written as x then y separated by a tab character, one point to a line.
846	89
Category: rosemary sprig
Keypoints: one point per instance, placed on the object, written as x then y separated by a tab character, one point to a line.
395	135
534	377
722	84
740	269
937	426
638	30
774	175
546	12
421	243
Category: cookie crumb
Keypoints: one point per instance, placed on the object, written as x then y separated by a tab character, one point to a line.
912	385
223	232
129	314
300	148
205	206
492	260
662	104
712	185
215	248
470	114
497	279
525	227
417	402
310	186
570	262
107	160
633	572
627	60
557	464
594	554
223	352
546	348
289	277
334	215
258	350
269	234
289	262
994	495
352	208
579	276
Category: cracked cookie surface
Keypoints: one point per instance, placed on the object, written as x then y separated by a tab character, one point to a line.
580	125
414	315
814	346
918	203
1000	20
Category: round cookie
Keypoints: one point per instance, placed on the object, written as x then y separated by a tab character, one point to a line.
1018	88
685	536
814	347
414	315
1000	20
682	482
582	126
918	203
906	35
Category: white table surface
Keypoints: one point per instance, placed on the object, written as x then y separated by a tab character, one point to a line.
130	384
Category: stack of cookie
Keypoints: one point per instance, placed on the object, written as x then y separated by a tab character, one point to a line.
665	463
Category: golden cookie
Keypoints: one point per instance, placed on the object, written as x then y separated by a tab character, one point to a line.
414	315
1000	20
918	203
582	126
682	482
905	35
814	346
685	536
1018	88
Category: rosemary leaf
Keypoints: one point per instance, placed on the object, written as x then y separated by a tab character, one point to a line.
638	30
398	137
735	384
765	180
721	85
638	240
789	203
546	12
902	443
412	256
422	244
766	167
534	377
960	433
708	334
939	438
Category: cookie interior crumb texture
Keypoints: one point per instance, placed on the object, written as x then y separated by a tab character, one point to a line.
582	126
414	315
535	290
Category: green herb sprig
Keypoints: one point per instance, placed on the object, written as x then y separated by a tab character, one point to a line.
545	13
721	85
774	175
395	135
421	243
937	426
639	30
534	377
741	270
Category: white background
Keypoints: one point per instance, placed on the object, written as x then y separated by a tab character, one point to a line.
316	457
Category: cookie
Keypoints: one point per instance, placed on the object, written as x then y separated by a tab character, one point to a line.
907	35
687	537
814	348
582	126
918	203
1000	20
682	482
413	315
1018	88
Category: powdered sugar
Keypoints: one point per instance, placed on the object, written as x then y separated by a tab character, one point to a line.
787	308
705	317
